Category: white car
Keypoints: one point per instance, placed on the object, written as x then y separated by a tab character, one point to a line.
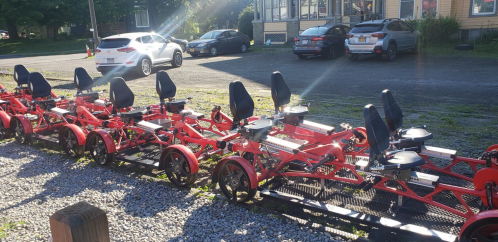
136	51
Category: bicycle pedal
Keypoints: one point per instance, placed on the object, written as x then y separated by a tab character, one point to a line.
368	187
377	179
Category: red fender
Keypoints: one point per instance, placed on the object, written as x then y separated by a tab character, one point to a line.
109	141
192	160
253	178
28	128
80	136
489	216
5	119
493	147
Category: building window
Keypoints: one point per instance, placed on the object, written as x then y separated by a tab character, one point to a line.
406	8
313	9
483	7
429	9
141	17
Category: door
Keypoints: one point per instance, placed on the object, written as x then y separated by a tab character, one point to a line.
165	49
235	41
410	36
397	35
224	42
151	48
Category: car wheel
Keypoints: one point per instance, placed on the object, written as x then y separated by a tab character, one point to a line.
177	59
213	51
144	67
300	56
392	51
243	48
194	55
354	57
418	47
332	54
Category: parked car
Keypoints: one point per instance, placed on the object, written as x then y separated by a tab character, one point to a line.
323	40
219	41
4	34
136	51
182	42
382	37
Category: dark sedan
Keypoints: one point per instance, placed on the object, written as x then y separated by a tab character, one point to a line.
182	42
219	41
323	40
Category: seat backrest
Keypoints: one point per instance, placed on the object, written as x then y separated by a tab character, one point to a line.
21	75
280	92
392	111
82	80
38	86
121	95
377	132
241	103
165	87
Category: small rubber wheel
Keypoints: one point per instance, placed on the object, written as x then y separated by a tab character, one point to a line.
302	57
392	51
194	55
69	143
481	230
98	150
213	51
178	169
19	132
234	182
4	132
354	57
144	67
177	59
243	48
332	54
464	47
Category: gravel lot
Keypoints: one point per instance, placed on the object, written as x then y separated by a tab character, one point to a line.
36	184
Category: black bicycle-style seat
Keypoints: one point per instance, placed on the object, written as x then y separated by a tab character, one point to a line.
21	75
84	82
121	97
166	89
281	95
378	137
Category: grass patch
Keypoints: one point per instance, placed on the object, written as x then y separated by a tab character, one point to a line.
6	227
448	49
24	46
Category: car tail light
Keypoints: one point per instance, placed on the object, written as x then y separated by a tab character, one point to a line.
296	39
349	36
127	50
318	39
379	35
97	51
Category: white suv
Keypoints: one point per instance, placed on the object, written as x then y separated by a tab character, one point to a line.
136	51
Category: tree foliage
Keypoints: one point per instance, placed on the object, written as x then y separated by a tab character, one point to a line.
215	14
245	21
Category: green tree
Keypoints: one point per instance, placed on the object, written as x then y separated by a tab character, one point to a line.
217	13
245	21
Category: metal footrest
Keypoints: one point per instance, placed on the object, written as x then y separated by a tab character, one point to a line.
191	114
59	111
316	127
438	152
356	216
281	144
148	126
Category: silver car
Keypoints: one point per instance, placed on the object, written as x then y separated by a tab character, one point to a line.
382	37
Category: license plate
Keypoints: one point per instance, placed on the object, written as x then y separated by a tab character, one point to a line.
192	49
304	42
110	60
362	39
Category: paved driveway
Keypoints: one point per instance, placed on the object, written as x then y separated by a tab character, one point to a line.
415	78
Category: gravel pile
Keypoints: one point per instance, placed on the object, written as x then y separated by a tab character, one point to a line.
35	184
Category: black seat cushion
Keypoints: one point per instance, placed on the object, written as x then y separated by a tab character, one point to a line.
392	111
165	87
21	75
377	132
134	113
241	103
406	160
121	95
38	86
82	80
280	92
180	102
296	111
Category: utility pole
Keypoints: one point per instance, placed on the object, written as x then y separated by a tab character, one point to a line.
94	24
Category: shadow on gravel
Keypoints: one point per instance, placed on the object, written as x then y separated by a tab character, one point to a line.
141	198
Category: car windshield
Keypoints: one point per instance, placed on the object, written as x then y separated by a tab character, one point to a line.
367	28
315	31
210	35
114	43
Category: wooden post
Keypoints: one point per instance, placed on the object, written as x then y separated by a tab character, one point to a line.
80	222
